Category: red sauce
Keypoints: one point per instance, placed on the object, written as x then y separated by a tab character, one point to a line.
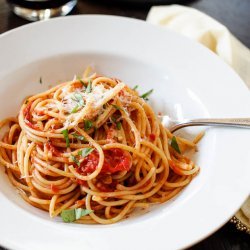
174	167
77	85
27	117
152	137
54	189
53	149
121	93
26	111
40	112
115	160
146	183
82	182
111	134
31	125
80	203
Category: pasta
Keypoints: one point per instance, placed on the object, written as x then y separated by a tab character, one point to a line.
92	150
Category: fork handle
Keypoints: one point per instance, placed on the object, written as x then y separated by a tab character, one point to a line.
229	122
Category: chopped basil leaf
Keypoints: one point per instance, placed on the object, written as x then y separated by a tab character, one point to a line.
80	102
73	158
83	211
89	87
26	101
79	99
116	107
40	80
113	119
135	87
88	125
80	80
145	95
79	137
78	213
65	133
86	151
70	215
175	145
74	110
118	125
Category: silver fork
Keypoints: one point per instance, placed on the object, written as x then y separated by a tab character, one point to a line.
175	125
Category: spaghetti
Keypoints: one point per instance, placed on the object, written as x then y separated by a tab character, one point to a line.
93	150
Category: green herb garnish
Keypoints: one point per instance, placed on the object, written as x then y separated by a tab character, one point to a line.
75	160
65	133
113	119
174	145
40	80
117	107
84	152
79	99
79	137
75	109
118	125
80	80
135	87
70	215
88	125
145	95
80	212
80	102
89	87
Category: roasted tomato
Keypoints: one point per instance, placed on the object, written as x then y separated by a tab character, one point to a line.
115	160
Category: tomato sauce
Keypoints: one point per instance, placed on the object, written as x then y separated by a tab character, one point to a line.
31	125
80	203
78	85
40	112
82	182
115	160
121	93
53	149
54	189
111	134
26	111
27	117
152	137
174	167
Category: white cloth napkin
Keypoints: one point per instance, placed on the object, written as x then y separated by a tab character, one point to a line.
212	34
204	29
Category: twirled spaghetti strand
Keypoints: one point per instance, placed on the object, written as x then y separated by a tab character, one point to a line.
93	143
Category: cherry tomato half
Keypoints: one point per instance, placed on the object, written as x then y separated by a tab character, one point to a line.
115	160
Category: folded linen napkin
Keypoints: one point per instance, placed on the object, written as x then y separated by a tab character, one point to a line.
204	29
215	36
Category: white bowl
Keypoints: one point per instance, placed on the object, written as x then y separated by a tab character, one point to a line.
188	81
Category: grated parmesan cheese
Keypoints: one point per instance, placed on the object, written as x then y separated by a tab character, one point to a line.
93	101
